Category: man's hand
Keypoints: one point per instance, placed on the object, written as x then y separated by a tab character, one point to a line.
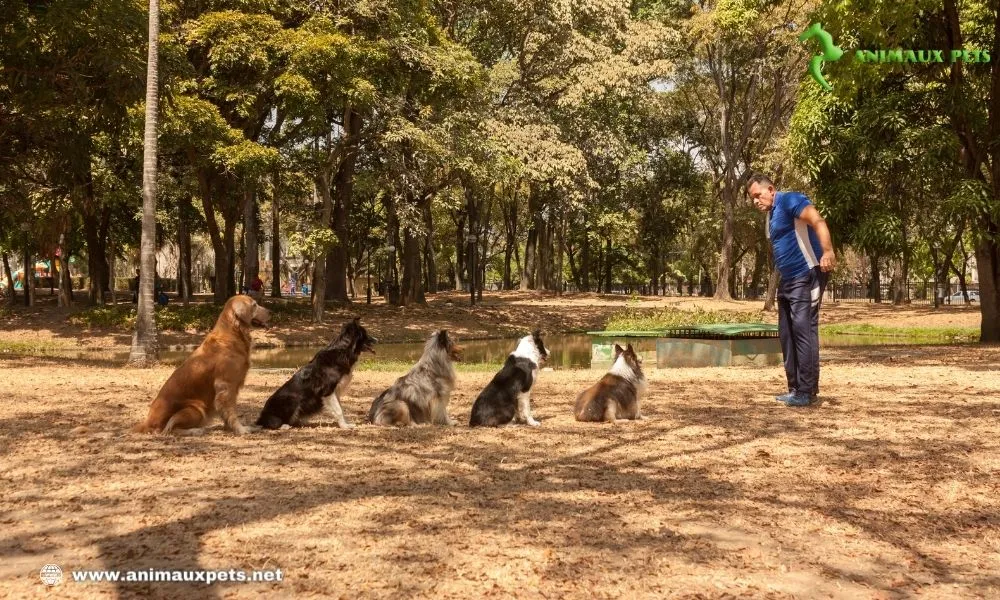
811	216
827	262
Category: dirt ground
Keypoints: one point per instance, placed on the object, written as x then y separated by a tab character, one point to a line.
501	314
888	489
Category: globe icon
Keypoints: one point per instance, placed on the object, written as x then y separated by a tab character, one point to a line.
51	575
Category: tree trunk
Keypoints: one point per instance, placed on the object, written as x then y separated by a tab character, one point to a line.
12	297
231	257
184	287
723	292
320	270
343	184
510	240
876	282
988	266
29	277
144	348
97	262
902	283
460	252
546	255
560	243
412	291
275	240
221	241
585	261
472	210
65	278
430	264
251	244
772	290
52	275
608	264
111	275
392	229
529	272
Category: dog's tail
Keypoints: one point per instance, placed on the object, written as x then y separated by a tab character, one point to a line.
377	406
170	423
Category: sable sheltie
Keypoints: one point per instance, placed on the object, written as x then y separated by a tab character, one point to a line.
318	386
422	395
617	394
507	398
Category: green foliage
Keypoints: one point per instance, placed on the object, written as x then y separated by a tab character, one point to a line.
121	317
912	334
633	319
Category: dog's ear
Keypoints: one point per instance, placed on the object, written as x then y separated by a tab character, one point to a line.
242	309
537	334
630	349
442	338
618	350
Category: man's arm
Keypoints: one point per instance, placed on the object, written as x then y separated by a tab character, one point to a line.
811	216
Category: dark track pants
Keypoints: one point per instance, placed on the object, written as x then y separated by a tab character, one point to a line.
798	326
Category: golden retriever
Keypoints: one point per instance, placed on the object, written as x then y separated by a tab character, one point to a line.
209	381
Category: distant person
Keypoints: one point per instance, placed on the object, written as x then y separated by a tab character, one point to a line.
134	287
803	255
257	288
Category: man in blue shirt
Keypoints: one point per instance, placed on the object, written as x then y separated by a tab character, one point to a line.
803	255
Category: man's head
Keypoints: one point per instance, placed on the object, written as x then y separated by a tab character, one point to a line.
760	188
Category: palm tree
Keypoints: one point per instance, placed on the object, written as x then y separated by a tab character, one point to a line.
144	350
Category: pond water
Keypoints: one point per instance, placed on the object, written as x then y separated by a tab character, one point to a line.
568	351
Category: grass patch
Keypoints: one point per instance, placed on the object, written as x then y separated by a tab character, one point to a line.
121	317
105	317
964	334
12	348
632	319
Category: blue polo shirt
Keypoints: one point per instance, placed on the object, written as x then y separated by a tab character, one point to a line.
796	247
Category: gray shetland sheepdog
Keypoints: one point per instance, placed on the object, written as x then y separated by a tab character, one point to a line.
617	394
422	395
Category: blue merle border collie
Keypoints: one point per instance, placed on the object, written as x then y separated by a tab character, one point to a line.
317	387
507	398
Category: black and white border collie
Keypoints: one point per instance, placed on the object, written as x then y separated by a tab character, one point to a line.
317	387
507	398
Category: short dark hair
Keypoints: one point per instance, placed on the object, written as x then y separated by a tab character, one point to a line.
758	178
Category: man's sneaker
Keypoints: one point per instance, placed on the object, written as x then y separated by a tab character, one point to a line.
784	398
800	399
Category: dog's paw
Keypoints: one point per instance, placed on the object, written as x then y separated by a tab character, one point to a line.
345	425
532	423
285	427
241	430
252	428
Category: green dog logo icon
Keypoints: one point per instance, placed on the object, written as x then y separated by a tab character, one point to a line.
830	52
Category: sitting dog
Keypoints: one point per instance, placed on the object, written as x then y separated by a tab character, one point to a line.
507	398
422	395
209	381
617	394
319	385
